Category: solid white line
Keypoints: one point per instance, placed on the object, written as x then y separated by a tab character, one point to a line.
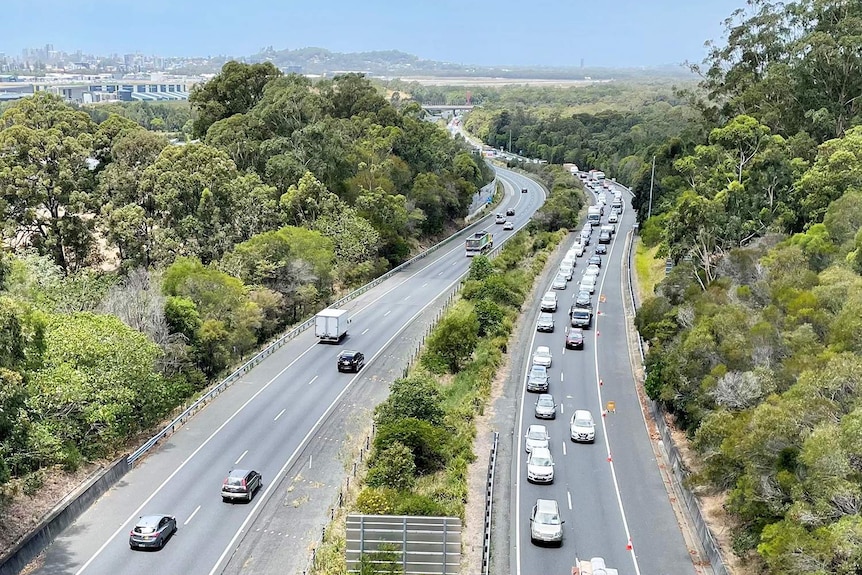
387	313
313	379
366	331
605	427
186	522
280	413
240	457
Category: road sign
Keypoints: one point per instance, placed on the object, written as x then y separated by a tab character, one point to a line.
612	407
602	298
489	201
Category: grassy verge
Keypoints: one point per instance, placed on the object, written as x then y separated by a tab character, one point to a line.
649	269
426	428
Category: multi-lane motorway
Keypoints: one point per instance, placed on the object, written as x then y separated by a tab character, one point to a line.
269	421
610	493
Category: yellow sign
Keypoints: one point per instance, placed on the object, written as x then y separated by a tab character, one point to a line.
602	298
612	406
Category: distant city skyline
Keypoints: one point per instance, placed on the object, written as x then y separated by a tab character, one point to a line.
554	33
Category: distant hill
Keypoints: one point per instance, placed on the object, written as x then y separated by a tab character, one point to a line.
396	64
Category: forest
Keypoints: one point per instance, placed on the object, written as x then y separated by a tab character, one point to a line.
136	271
755	335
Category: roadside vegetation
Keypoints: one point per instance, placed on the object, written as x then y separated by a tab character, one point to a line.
135	272
425	430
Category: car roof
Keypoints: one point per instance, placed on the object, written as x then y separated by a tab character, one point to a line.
540	451
149	520
238	472
547	505
582	413
550	293
539	367
537	427
543	348
545	396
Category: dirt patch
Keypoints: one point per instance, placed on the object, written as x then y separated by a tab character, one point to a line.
21	512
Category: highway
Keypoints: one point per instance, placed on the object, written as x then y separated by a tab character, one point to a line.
272	420
610	493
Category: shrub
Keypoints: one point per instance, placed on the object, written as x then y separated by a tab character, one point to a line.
454	340
393	467
415	397
425	441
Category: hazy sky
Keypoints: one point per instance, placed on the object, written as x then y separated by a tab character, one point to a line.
501	32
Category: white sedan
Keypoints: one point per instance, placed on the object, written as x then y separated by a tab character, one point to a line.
542	356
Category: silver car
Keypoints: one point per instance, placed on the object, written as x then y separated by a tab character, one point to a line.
559	282
546	526
546	408
543	356
538	380
537	436
152	531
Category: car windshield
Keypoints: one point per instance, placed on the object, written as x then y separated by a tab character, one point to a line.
547	518
234	480
545	318
546	402
583	422
538	371
535	434
144	529
540	460
581	313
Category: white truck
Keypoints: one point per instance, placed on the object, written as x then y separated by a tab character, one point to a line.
595	566
594	215
330	325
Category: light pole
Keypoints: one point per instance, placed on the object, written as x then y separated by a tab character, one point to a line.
651	180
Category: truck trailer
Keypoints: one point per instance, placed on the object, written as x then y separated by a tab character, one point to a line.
479	243
330	325
595	566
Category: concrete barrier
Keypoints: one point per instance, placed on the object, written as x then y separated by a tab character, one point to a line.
62	516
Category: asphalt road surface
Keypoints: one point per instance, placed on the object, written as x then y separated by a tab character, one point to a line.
610	493
286	419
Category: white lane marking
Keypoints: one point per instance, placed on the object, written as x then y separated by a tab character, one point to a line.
137	511
309	462
240	457
564	448
561	409
179	468
313	379
440	274
605	427
387	313
280	413
408	297
313	430
366	331
186	522
561	376
425	284
569	497
455	263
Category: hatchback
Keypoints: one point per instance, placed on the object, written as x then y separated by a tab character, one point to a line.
350	360
537	436
241	484
152	531
575	338
546	408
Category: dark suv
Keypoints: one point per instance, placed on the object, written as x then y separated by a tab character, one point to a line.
241	484
349	360
510	212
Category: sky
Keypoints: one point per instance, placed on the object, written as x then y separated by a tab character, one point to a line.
607	33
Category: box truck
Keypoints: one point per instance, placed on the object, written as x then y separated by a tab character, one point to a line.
330	325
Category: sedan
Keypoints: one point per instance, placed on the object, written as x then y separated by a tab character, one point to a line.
596	260
546	408
601	249
542	356
540	466
508	226
537	436
559	282
545	323
584	300
152	531
575	338
592	270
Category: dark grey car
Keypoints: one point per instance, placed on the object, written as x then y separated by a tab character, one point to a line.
241	484
152	531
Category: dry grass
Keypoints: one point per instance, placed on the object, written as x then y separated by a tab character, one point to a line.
650	270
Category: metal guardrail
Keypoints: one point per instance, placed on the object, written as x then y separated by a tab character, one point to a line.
677	467
278	343
489	505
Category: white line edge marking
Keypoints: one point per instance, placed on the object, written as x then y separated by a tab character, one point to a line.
313	379
240	457
280	413
186	522
366	331
604	424
387	313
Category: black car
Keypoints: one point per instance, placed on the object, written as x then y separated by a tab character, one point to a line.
523	190
575	338
601	249
241	484
350	360
152	531
510	212
595	260
604	237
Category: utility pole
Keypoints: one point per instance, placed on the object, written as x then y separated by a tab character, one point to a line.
510	140
651	181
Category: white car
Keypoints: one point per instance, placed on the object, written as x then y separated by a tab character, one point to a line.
613	218
588	283
542	356
582	427
567	270
560	282
537	436
602	199
592	270
540	466
578	249
549	302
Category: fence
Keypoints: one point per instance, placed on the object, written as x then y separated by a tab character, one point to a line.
489	503
678	471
